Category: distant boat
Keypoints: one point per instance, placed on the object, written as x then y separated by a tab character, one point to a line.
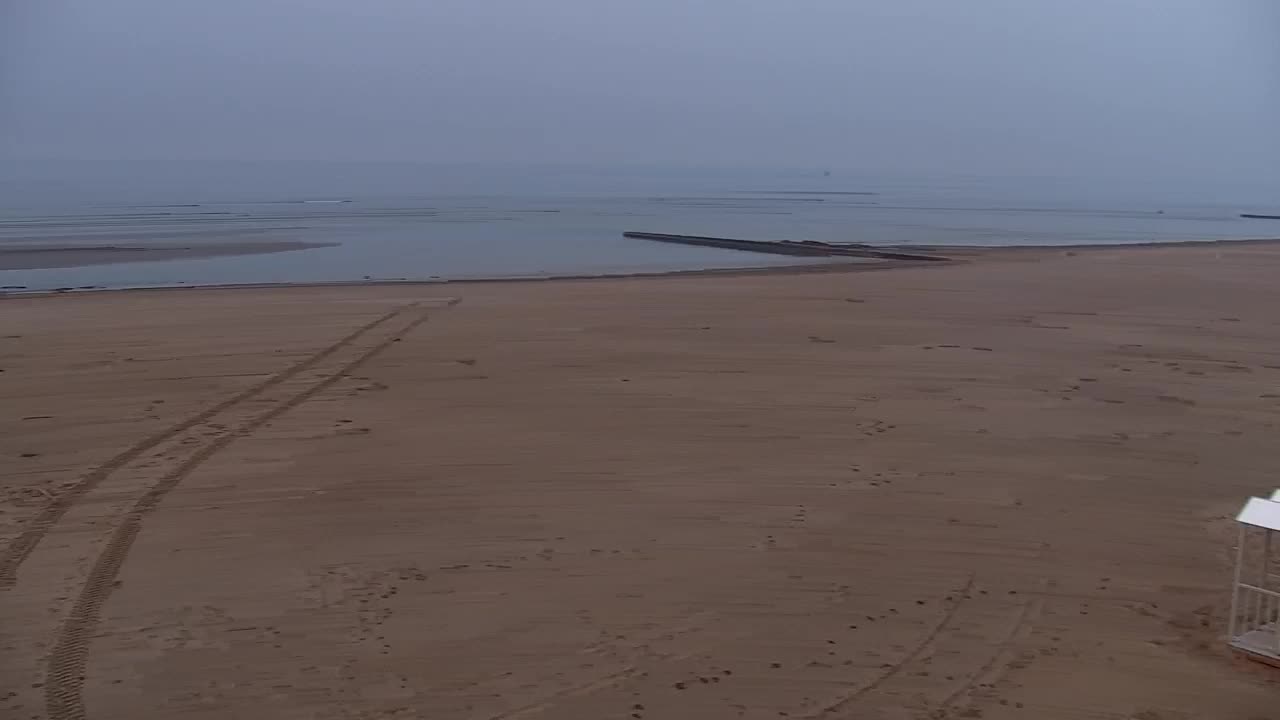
1259	217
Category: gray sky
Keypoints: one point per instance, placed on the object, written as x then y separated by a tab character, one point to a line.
1107	87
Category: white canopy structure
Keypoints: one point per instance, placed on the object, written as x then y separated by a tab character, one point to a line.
1254	624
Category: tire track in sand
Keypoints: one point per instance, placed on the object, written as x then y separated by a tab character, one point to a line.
65	669
1000	659
21	547
947	653
841	703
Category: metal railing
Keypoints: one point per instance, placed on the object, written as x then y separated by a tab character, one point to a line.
1255	609
1254	622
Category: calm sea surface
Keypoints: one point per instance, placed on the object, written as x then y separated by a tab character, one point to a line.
542	225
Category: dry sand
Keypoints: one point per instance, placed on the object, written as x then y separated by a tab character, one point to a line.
997	489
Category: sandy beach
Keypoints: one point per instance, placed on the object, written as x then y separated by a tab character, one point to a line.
999	488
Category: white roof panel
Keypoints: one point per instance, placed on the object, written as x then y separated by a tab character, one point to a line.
1261	513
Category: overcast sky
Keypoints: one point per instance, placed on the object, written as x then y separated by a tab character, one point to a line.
1109	87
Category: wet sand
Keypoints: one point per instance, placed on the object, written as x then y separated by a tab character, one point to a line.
41	256
999	488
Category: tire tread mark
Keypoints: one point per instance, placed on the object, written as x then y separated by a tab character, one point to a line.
534	708
915	652
65	669
611	680
1026	613
21	547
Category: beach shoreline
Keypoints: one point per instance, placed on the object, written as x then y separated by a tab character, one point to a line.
45	256
1001	488
954	253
